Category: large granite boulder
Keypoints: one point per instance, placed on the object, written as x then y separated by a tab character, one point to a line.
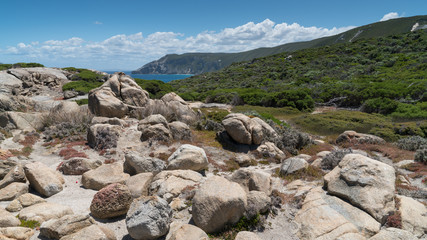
218	202
13	191
23	201
43	179
327	217
365	183
104	176
7	219
170	184
180	131
148	218
154	120
188	157
156	132
21	120
414	216
65	225
103	136
16	233
111	201
16	174
135	163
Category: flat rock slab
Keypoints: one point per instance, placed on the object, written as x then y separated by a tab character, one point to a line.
13	191
104	175
43	179
16	233
44	211
68	224
93	232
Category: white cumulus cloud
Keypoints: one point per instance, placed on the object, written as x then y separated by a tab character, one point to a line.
132	51
390	15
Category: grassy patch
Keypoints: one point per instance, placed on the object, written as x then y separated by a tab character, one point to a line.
81	86
387	150
155	88
205	138
278	113
29	223
82	101
313	149
308	174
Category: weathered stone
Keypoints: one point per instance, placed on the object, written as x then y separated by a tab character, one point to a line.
148	218
180	231
244	160
23	201
179	110
292	165
218	202
13	191
354	137
106	120
393	234
21	120
245	235
366	183
78	166
44	211
138	184
16	233
135	163
93	232
261	131
16	174
156	132
111	201
153	120
414	216
103	102
103	136
188	157
180	131
269	150
170	184
43	179
70	94
252	180
238	126
6	166
7	219
65	225
104	176
258	202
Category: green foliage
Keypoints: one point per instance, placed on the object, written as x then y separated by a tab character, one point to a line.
29	223
379	105
81	86
244	224
83	74
406	111
19	65
155	88
82	101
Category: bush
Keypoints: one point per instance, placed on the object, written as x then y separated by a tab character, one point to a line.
406	111
81	86
155	88
291	139
379	105
332	160
412	143
421	155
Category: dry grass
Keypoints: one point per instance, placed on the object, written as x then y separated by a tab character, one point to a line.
5	154
419	170
28	142
308	174
395	219
205	138
388	150
313	149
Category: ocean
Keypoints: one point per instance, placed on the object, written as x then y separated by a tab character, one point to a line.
161	77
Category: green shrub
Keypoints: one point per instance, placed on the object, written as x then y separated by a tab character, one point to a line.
29	223
379	105
421	155
19	65
406	111
155	88
81	86
412	143
82	101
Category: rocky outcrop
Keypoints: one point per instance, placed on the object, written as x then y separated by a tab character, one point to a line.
43	179
20	120
170	184
365	183
218	202
103	176
120	96
148	218
414	216
188	157
355	137
328	217
245	130
111	201
135	163
68	224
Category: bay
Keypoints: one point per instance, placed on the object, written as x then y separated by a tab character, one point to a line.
161	77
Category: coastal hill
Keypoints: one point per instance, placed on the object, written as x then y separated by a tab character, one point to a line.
196	63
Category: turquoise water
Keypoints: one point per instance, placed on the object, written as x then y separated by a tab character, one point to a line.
161	77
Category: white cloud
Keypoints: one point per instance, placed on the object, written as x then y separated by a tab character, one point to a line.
390	15
97	23
132	51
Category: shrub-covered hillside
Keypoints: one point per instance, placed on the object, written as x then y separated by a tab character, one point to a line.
392	70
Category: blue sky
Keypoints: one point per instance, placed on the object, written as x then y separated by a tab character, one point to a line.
124	35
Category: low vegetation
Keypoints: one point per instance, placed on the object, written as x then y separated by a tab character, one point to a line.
155	88
29	223
244	224
83	80
19	65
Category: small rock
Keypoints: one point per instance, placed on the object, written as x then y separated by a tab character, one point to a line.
148	218
180	131
238	126
153	120
244	160
258	202
354	137
103	136
68	224
322	154
7	219
393	234
104	176
156	132
139	184
44	211
252	180
292	164
180	231
16	233
269	150
188	157
78	166
135	163
23	201
93	232
111	201
16	174
177	204
13	191
43	179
